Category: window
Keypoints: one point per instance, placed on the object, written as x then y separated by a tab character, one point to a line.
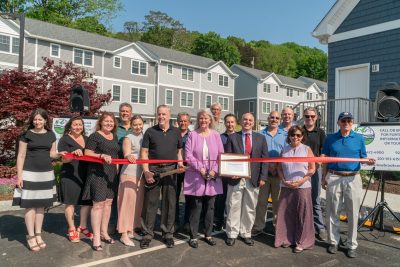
186	99
224	101
9	44
277	107
309	96
138	95
169	97
187	74
139	67
116	93
316	96
267	88
276	88
209	76
266	107
289	92
55	50
83	57
208	101
223	80
251	106
169	68
117	62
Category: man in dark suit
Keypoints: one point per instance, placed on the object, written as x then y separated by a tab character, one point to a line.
242	193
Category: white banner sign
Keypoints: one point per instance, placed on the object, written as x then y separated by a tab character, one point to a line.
59	124
382	143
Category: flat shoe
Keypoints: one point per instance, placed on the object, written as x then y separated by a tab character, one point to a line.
298	249
285	245
97	248
127	243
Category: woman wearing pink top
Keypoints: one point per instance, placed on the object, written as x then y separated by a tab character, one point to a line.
202	183
295	223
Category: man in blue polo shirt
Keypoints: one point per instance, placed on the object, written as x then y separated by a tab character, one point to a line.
342	182
276	140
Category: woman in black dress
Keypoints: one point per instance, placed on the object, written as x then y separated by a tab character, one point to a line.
73	177
101	183
36	184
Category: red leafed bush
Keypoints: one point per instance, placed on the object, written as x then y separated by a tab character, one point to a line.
48	88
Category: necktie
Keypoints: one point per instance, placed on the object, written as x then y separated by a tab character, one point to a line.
248	144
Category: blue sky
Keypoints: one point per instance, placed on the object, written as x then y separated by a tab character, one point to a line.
277	21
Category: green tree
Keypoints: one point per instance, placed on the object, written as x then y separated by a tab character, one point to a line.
211	45
159	36
89	24
247	52
158	19
275	58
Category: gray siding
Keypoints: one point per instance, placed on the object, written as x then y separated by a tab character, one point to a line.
176	77
124	73
370	12
380	48
242	106
245	84
176	107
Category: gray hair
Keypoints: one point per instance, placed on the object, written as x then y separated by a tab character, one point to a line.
209	114
164	106
311	109
180	114
216	104
125	104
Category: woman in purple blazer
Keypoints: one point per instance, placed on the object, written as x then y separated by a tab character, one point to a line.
202	183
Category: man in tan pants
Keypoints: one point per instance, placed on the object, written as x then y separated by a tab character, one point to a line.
276	139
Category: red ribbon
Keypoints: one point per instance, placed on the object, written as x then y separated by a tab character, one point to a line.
276	159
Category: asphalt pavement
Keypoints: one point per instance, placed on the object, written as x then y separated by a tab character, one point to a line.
376	249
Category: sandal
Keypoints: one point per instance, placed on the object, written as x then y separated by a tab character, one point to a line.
34	248
73	236
42	244
209	240
107	241
193	243
97	248
85	232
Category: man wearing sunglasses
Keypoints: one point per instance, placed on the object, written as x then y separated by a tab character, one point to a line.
342	182
315	138
276	140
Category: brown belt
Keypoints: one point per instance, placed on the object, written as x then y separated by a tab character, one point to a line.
343	173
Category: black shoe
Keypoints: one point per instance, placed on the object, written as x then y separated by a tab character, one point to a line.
169	242
217	227
351	253
248	241
332	249
193	243
230	241
255	232
145	243
210	241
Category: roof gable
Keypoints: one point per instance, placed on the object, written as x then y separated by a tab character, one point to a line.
220	67
333	19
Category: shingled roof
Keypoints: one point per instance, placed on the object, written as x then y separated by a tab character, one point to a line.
171	55
73	36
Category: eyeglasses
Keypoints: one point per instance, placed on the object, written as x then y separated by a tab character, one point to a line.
346	121
274	118
296	135
309	116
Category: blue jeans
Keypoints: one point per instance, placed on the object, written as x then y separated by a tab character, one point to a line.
316	200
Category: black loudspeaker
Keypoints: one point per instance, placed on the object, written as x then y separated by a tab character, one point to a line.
387	102
79	100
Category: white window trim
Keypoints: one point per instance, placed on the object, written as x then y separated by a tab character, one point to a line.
59	50
254	103
120	62
140	61
210	76
276	109
180	99
289	92
130	95
172	69
11	41
187	74
219	75
171	90
120	92
266	112
205	102
222	104
83	57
